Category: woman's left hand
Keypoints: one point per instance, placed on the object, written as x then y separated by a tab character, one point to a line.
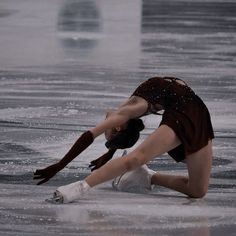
97	163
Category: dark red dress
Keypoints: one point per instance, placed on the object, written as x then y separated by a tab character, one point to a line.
184	112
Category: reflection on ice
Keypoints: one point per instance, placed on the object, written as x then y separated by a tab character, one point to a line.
79	16
104	211
73	215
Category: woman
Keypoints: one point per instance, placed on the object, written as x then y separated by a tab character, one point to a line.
185	132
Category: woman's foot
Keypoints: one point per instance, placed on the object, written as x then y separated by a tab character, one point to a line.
138	180
69	193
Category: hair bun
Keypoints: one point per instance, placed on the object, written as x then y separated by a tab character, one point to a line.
136	124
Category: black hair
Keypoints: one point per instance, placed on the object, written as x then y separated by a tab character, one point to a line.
123	139
128	137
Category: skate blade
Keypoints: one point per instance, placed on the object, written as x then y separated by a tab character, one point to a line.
57	198
124	153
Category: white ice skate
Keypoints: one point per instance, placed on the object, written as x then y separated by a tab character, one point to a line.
69	193
138	180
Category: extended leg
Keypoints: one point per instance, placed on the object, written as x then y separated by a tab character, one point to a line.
159	142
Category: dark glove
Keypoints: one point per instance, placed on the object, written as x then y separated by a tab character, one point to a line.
80	145
97	163
46	173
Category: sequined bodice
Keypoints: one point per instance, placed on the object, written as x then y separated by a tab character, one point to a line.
166	91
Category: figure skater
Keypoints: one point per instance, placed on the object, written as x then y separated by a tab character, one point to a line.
185	132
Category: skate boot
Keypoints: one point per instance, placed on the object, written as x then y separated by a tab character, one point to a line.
138	180
69	193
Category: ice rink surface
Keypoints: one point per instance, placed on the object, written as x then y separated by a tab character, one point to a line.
63	63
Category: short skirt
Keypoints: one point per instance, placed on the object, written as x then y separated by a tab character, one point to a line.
184	112
192	125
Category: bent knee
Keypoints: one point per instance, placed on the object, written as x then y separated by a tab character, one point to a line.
134	160
199	192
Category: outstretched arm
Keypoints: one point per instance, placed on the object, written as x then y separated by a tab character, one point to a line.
134	107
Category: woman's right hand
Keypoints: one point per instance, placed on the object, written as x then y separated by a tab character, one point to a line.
47	173
79	146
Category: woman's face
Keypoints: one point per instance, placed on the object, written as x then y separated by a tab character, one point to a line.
111	132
